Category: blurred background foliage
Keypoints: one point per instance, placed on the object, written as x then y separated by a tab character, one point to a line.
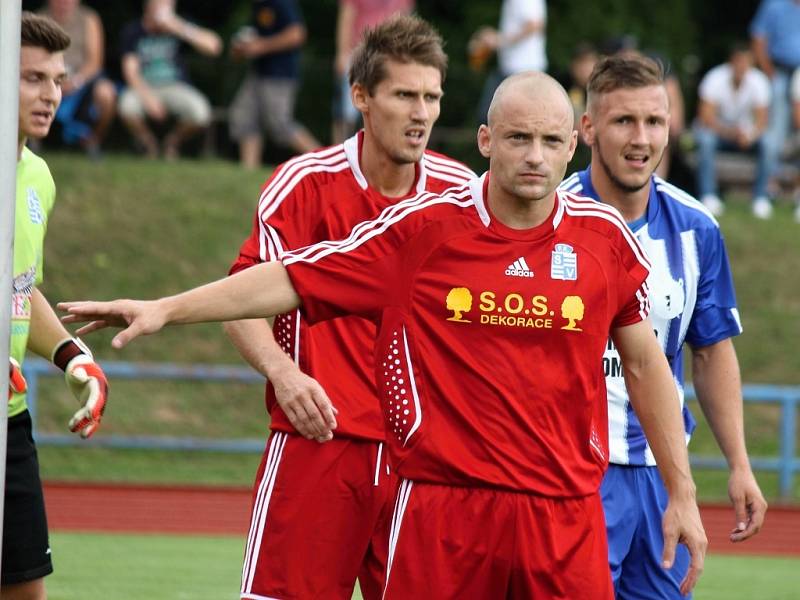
690	36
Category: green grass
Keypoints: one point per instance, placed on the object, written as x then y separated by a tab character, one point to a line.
749	578
127	227
132	567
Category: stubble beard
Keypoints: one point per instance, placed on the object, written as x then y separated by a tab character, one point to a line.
616	181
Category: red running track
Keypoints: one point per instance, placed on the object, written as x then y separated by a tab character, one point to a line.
226	511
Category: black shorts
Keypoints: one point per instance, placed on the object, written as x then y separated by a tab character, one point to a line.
26	548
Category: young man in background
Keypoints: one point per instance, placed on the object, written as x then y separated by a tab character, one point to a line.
692	300
321	512
34	325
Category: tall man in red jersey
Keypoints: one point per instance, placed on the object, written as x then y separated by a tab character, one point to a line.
321	512
494	302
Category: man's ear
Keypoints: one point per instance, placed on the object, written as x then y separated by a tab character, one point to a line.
485	140
587	129
358	94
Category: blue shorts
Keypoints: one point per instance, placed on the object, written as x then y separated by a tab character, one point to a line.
634	500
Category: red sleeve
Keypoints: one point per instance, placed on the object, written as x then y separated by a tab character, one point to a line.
632	293
281	222
361	275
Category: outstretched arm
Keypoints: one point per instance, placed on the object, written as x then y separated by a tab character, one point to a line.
261	291
718	385
654	398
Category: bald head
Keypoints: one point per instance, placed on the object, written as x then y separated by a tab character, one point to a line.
532	87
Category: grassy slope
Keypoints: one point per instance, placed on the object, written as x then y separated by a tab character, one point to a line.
126	227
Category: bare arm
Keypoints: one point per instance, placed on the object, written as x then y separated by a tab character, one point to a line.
707	115
759	45
46	329
344	34
302	399
95	48
131	71
654	398
796	113
264	290
718	385
293	36
529	28
201	39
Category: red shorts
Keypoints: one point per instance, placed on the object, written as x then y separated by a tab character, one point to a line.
450	542
321	515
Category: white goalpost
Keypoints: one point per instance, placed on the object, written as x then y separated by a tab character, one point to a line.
10	11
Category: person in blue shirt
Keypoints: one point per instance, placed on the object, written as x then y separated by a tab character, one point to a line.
266	97
775	35
693	301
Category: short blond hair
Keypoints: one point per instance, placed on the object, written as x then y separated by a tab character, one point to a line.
623	70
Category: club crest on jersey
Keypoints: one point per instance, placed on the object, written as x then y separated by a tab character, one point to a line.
564	263
519	268
34	207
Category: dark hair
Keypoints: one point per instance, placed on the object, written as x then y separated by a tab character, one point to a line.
582	50
405	39
624	70
42	32
738	47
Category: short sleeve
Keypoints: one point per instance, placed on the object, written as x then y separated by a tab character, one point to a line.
532	10
715	316
48	199
129	38
289	13
762	91
359	275
708	87
759	26
283	221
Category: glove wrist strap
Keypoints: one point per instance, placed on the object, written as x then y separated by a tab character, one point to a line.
67	350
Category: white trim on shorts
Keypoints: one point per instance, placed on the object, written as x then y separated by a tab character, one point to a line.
259	516
403	494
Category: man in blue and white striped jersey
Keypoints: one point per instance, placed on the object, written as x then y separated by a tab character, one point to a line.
693	300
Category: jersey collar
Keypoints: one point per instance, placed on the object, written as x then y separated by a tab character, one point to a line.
479	188
587	189
352	150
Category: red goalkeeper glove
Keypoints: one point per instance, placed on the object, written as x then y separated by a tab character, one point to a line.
86	381
16	382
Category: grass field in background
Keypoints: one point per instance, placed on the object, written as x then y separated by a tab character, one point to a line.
132	567
131	228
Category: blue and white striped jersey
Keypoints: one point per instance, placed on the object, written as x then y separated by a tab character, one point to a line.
691	294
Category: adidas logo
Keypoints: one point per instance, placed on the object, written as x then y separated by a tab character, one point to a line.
519	268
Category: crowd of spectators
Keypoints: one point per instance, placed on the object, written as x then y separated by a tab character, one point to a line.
748	105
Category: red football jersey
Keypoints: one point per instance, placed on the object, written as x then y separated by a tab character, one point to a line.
490	341
315	197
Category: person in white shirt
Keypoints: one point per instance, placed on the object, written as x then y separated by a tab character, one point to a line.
732	115
519	43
